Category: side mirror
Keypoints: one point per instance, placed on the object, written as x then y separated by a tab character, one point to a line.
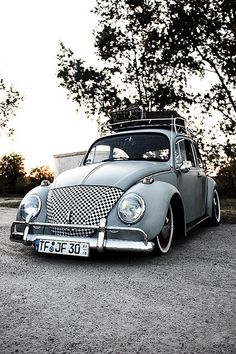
88	162
184	168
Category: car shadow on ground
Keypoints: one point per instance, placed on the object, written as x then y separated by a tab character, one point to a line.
125	257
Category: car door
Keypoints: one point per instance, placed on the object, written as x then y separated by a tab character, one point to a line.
191	179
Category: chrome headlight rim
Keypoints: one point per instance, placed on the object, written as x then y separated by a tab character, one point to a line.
34	210
140	213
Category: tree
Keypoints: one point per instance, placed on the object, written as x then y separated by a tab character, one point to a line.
129	72
149	50
9	101
11	170
226	178
38	174
88	86
199	37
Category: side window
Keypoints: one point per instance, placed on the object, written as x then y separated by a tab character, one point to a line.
178	159
184	153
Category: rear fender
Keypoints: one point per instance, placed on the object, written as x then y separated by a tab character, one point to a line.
211	186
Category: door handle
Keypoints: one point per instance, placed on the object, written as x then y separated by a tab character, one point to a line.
200	174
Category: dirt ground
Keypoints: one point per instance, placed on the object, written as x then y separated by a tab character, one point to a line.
184	302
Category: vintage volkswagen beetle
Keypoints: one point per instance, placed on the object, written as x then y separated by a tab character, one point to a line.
135	190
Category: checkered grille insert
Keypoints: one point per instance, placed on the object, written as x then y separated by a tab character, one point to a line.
84	205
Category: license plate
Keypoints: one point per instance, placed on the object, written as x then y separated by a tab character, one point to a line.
80	249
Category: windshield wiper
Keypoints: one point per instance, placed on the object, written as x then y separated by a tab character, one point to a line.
116	159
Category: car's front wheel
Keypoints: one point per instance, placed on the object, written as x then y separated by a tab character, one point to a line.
215	215
165	237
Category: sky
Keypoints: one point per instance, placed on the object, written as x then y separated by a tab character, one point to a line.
30	34
47	123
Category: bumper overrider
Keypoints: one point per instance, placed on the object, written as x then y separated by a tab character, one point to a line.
99	243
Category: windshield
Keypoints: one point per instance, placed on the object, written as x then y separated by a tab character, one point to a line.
135	146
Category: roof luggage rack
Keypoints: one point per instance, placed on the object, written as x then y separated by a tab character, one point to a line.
136	117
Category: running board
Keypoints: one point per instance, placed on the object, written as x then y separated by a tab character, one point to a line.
197	222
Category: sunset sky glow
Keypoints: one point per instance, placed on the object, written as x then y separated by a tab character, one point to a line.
47	122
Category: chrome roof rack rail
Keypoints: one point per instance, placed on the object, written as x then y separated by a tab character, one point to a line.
135	117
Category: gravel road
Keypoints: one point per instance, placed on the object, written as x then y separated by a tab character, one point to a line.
184	302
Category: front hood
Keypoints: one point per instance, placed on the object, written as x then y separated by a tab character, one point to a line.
120	174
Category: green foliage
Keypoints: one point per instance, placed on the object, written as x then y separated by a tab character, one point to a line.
13	177
89	87
9	102
149	50
38	174
12	171
126	41
199	37
129	72
226	178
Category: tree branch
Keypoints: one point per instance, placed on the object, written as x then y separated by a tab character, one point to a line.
227	91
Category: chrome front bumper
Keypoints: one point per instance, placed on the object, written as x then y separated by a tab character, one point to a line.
98	243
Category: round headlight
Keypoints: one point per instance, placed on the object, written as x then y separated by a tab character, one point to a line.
30	206
131	208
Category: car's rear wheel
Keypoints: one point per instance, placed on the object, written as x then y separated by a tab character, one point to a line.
165	237
215	216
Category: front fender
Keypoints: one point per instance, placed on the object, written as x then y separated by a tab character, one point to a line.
157	197
42	192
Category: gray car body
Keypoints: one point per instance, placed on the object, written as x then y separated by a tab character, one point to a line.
169	183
